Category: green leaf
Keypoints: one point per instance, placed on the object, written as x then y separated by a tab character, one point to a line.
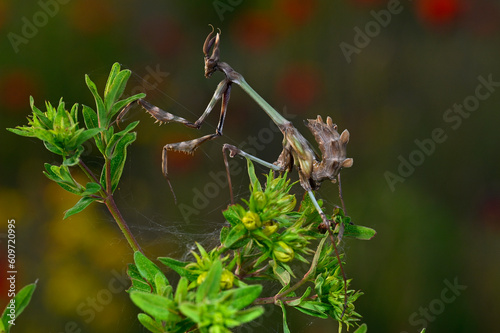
90	118
363	329
245	316
110	149
282	275
118	106
150	323
233	214
52	148
313	308
44	121
210	287
359	232
115	86
157	306
91	188
162	285
224	231
254	181
138	282
118	160
178	267
115	69
191	311
75	158
23	131
20	302
237	237
103	121
298	301
243	296
79	206
285	322
55	174
61	119
147	268
181	291
86	135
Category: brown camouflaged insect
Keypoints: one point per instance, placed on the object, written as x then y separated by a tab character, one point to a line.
296	150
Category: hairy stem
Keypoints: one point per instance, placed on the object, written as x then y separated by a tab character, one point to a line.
113	209
111	205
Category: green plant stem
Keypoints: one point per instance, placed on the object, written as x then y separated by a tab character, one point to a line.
90	174
271	300
112	207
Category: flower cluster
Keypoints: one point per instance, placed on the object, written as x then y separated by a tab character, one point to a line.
58	129
204	262
268	227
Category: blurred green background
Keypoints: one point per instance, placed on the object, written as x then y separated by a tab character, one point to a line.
388	71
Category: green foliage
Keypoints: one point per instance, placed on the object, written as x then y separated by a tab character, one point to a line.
203	305
62	134
15	307
268	239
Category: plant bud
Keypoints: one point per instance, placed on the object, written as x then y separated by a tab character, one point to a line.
251	220
227	279
287	203
270	228
260	200
283	252
201	278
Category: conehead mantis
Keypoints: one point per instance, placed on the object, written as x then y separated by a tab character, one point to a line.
297	152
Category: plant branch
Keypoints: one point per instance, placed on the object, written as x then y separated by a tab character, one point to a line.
111	205
113	209
311	270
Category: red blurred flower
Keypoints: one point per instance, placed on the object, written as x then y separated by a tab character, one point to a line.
16	86
255	30
438	13
299	85
92	16
163	35
298	12
369	3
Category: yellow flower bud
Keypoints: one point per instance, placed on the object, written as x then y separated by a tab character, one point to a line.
227	279
251	220
201	278
283	252
287	203
270	228
260	200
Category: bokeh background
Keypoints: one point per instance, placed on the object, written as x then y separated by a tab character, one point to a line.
437	225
